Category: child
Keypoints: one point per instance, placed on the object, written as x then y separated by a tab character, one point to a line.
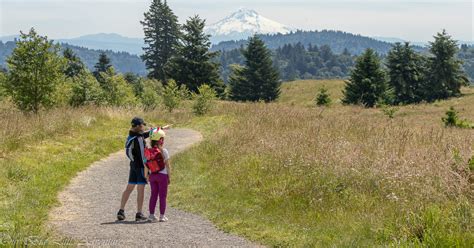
157	173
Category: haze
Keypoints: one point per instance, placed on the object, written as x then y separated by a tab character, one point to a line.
409	20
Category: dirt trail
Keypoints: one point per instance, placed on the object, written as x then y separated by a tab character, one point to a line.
89	205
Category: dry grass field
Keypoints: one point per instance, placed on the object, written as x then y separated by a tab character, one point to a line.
296	175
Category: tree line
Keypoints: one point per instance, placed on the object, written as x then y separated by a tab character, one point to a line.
408	76
40	75
298	62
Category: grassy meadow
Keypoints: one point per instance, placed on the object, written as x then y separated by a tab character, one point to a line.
290	174
281	174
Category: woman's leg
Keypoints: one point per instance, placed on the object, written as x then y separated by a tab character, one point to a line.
154	193
163	192
126	194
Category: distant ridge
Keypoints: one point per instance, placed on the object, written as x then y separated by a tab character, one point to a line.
337	40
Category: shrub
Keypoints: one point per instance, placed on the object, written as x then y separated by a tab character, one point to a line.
150	96
85	90
452	120
389	111
323	98
117	92
171	96
203	101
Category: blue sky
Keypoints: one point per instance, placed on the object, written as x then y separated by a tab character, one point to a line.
411	20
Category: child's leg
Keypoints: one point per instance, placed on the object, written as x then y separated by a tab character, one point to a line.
163	192
154	193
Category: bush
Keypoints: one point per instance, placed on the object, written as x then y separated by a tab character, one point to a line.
389	111
171	96
452	120
117	92
323	98
150	96
204	100
86	90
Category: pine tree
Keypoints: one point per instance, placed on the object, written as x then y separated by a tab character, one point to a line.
406	73
35	71
102	66
74	65
445	71
323	98
367	84
161	38
194	65
258	79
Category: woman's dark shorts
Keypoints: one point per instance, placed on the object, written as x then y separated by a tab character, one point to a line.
136	175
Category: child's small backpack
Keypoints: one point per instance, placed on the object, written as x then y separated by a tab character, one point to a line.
155	160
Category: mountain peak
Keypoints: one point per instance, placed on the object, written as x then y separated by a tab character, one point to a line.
242	24
244	12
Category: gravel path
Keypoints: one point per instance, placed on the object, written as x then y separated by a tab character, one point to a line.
89	204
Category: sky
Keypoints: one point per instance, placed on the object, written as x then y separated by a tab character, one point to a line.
414	20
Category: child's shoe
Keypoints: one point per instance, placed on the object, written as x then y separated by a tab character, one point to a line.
152	218
163	218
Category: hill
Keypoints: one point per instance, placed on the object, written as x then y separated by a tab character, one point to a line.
122	61
337	40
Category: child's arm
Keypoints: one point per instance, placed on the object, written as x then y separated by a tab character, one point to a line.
168	169
146	174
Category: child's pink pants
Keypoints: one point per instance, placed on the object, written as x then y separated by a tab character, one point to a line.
159	188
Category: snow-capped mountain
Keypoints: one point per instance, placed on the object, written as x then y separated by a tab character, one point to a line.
242	24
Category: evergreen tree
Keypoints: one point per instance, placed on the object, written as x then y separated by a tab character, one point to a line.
367	84
406	73
74	65
258	79
102	66
323	98
445	71
35	71
194	65
161	38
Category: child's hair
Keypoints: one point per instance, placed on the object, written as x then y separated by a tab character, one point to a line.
154	143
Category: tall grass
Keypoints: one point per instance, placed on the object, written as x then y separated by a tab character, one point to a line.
348	176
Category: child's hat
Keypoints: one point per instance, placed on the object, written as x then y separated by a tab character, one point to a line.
157	134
